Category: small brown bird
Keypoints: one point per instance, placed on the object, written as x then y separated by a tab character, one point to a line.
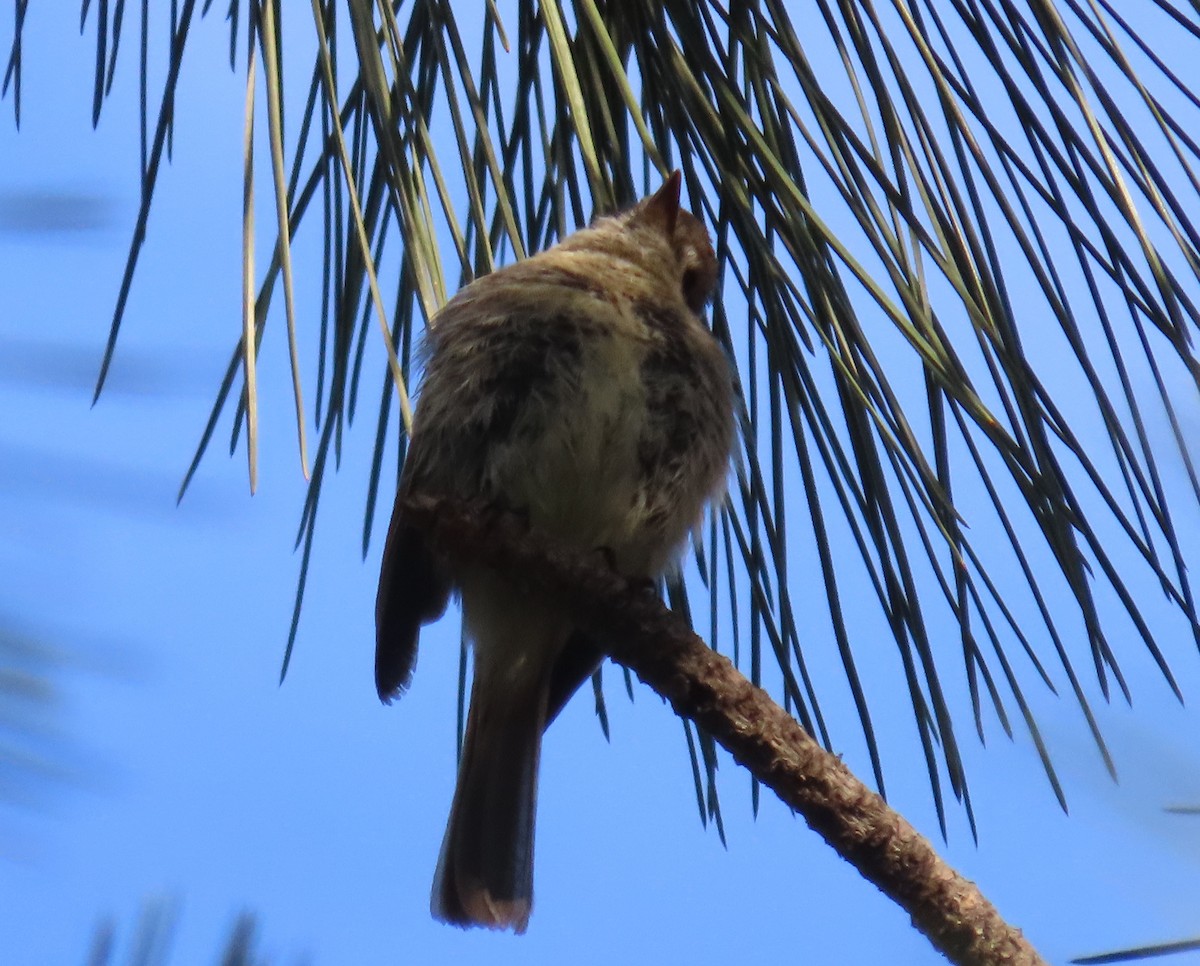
581	389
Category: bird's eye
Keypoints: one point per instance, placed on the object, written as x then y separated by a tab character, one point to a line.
697	286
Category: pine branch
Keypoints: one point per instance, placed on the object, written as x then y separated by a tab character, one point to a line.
705	687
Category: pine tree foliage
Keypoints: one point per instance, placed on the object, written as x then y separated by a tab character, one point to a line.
959	288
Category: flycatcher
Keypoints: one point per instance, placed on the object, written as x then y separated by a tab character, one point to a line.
581	389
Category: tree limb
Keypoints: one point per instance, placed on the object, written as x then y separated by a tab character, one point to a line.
705	687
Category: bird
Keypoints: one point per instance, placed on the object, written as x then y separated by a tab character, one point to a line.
581	389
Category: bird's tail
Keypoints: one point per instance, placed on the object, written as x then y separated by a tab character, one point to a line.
485	870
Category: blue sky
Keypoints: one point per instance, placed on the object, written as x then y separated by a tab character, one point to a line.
193	776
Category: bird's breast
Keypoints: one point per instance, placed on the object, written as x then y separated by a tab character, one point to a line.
572	462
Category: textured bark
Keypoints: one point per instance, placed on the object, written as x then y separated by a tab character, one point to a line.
705	687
